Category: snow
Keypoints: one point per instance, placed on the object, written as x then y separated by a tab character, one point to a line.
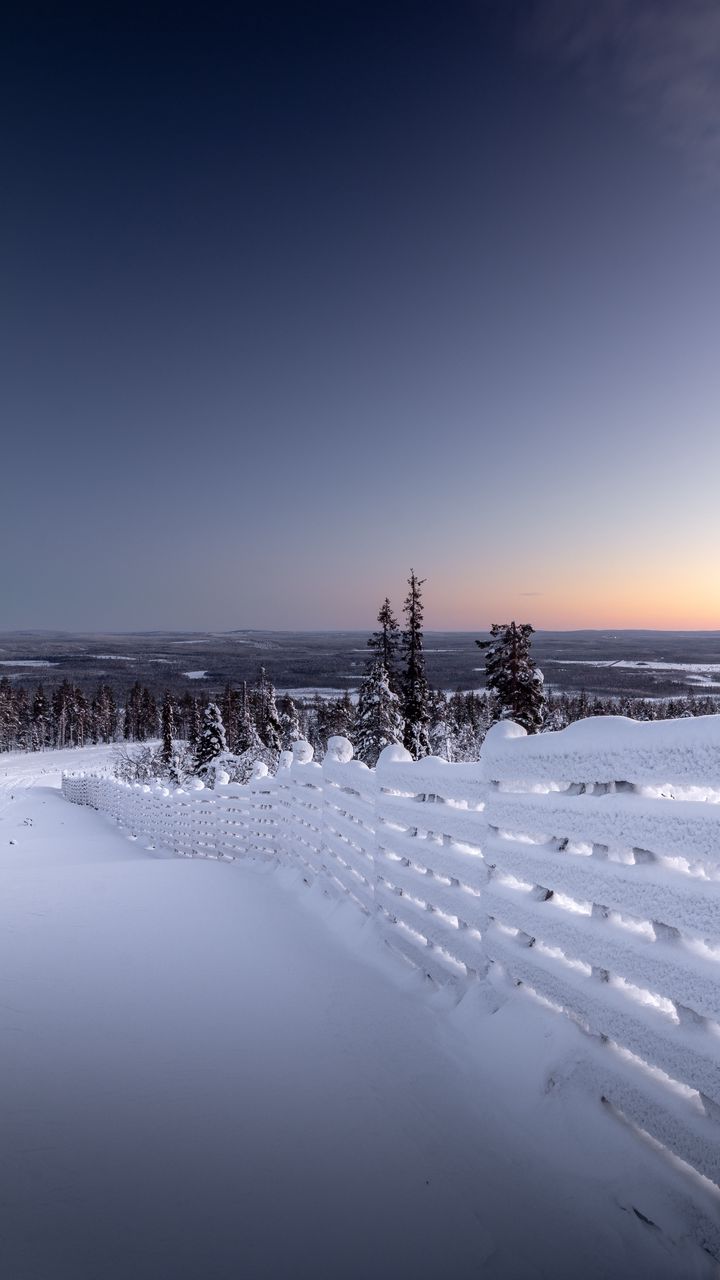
310	692
697	673
113	657
27	662
709	668
609	749
195	675
213	1070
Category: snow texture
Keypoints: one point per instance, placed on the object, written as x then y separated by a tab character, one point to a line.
222	1071
605	902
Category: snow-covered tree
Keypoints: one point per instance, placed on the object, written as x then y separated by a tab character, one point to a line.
212	740
289	722
513	681
414	703
440	732
41	720
246	735
335	718
229	709
194	724
386	643
378	721
267	720
104	714
167	729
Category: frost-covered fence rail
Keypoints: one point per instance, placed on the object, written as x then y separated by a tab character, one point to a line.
603	849
429	867
584	864
230	822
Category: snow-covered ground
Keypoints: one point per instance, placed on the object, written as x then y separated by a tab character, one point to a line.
212	1072
697	673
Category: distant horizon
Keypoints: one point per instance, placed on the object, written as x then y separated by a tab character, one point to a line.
285	631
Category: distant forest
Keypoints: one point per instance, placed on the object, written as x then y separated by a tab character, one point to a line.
395	703
30	720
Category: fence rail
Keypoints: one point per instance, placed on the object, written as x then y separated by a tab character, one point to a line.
584	864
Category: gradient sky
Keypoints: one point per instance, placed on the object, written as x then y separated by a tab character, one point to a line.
297	295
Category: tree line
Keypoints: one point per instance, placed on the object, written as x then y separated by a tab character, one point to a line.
252	723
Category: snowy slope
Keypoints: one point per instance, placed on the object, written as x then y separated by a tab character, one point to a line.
213	1072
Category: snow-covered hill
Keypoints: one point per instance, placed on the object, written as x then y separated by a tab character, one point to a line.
211	1071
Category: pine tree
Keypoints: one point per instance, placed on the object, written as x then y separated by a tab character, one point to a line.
386	644
212	740
289	722
148	716
194	724
378	722
229	710
513	681
62	710
8	718
167	729
267	719
24	719
40	720
439	729
334	716
246	738
414	687
81	716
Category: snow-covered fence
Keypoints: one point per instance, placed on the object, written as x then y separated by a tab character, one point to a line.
603	850
430	871
230	822
584	864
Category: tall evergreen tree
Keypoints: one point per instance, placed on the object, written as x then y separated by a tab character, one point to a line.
194	724
267	719
378	721
246	738
40	720
148	716
62	711
289	722
212	740
334	716
229	709
167	729
386	644
414	687
513	681
8	717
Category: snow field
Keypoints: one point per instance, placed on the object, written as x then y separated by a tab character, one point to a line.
220	1071
559	860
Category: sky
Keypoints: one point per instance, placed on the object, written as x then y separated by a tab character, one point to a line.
297	296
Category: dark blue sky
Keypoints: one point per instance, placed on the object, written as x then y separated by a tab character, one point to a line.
297	295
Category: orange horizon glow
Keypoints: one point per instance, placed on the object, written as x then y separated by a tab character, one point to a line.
587	605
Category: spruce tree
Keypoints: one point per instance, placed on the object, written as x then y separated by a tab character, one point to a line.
167	728
212	740
132	713
267	718
513	681
148	716
289	722
386	644
246	735
378	721
40	718
229	710
194	725
8	721
414	686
